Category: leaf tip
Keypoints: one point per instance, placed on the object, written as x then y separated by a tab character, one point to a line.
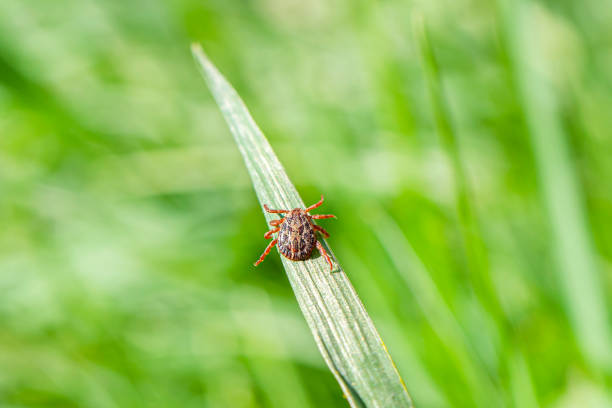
196	48
199	54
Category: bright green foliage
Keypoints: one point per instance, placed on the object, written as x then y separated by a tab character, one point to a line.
472	191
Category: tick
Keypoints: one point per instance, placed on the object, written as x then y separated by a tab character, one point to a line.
296	234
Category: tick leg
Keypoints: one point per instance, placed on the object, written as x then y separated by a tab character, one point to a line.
312	207
324	253
274	211
266	252
321	216
276	223
268	234
321	230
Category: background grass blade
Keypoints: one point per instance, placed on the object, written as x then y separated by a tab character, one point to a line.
418	280
562	195
342	329
475	252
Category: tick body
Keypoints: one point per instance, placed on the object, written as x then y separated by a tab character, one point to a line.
296	238
297	234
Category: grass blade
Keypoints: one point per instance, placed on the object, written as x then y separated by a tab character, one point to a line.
562	195
435	309
475	252
342	329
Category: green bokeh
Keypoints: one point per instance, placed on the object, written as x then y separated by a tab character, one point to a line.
129	225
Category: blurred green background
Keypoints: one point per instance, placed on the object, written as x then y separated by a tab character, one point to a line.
129	225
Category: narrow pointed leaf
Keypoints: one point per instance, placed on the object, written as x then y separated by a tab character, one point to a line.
342	329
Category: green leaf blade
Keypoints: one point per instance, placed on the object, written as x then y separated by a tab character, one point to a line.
341	327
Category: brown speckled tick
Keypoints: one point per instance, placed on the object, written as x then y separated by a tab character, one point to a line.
296	234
